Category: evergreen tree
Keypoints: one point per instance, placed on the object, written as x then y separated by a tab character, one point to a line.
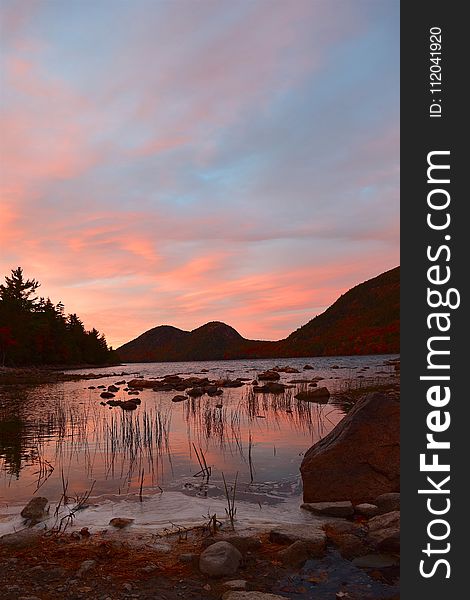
36	331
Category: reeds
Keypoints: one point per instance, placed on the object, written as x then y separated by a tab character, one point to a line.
230	495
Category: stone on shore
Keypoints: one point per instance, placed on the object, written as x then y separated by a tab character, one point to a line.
384	532
314	537
366	510
86	566
330	509
388	502
35	510
179	398
296	554
121	522
235	584
219	560
251	596
360	458
348	537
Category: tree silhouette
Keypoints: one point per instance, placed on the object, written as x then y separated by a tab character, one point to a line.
35	331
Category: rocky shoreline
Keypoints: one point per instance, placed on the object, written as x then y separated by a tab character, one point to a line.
348	549
286	561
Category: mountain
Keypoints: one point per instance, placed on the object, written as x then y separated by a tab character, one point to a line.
364	320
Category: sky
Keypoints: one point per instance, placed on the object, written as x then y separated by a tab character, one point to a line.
183	161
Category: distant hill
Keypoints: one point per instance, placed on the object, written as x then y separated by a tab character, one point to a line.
364	320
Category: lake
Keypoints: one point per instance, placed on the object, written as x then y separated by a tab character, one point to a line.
60	435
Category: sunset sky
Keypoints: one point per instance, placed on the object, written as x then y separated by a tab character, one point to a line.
177	162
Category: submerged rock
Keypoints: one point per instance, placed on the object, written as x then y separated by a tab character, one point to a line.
320	394
360	458
128	405
195	392
269	376
35	510
271	387
220	559
375	561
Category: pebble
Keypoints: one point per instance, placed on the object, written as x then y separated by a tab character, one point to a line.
85	566
150	568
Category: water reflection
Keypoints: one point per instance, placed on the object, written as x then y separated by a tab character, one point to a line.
62	431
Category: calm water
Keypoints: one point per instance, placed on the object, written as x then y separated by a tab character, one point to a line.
61	431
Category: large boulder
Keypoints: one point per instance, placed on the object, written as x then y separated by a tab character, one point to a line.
360	458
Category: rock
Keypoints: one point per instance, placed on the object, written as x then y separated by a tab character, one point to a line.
384	531
133	392
35	510
295	555
366	510
269	376
85	566
140	384
214	391
150	568
375	561
313	384
235	584
308	367
320	394
121	522
106	395
243	543
314	537
187	558
331	509
25	538
220	559
128	405
251	596
388	502
286	370
349	538
360	458
179	398
195	392
271	387
113	388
